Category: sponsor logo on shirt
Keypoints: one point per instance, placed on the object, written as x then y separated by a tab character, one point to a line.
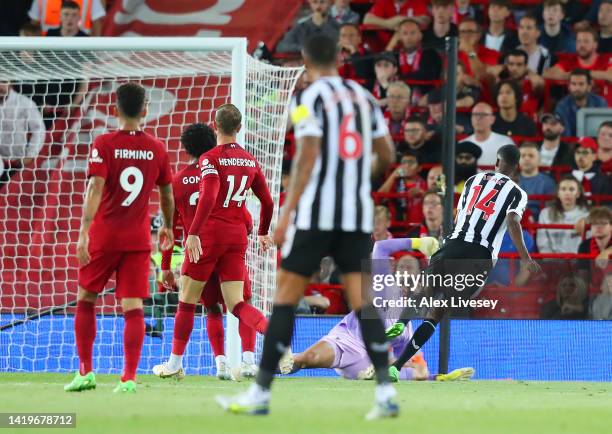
133	154
243	162
95	157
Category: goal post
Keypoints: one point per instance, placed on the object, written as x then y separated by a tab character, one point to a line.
185	78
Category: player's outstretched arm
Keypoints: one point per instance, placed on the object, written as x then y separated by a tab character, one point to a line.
93	197
166	202
308	149
516	234
383	149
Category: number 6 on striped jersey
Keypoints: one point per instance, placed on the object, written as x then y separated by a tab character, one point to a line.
346	137
240	194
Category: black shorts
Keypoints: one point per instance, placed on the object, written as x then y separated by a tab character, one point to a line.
455	261
303	252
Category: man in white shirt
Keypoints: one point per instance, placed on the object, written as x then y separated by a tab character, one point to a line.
490	142
22	130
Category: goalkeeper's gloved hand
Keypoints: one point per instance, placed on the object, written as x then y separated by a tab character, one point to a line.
426	245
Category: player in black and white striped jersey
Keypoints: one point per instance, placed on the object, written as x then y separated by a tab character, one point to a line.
342	141
489	204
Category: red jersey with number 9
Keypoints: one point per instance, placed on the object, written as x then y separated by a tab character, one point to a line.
132	164
237	171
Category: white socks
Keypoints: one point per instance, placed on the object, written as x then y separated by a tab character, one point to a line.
248	357
175	362
384	392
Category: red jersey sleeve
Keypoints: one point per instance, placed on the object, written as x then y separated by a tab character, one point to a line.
165	173
261	190
209	189
565	65
98	160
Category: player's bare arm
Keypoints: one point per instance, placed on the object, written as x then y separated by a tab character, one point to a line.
383	149
308	149
166	202
209	184
262	192
516	234
93	196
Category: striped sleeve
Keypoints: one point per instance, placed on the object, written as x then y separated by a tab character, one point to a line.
519	203
304	116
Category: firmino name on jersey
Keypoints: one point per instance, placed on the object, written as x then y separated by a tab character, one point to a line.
133	154
236	162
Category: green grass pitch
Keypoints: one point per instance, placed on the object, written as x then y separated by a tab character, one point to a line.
316	405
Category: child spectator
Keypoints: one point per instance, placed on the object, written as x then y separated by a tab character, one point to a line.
531	180
382	221
570	301
569	207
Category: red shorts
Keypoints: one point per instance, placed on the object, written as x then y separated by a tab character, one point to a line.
212	295
227	260
131	268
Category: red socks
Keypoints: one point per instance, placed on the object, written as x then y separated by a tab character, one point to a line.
133	337
85	334
216	335
247	336
183	324
251	317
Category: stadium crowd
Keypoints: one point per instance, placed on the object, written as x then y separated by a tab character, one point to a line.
525	70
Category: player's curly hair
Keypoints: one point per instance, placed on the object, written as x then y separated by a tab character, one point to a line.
198	138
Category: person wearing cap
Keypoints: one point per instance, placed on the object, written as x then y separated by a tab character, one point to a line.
385	71
415	62
355	58
488	141
588	171
531	180
466	162
604	19
554	152
604	146
580	96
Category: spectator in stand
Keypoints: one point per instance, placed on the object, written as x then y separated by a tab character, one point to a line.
476	57
569	208
320	21
599	245
355	58
398	100
382	222
554	152
488	141
498	37
515	68
435	179
604	146
341	11
604	19
555	34
602	305
415	63
509	120
29	30
388	14
69	21
405	179
588	170
531	180
415	140
464	10
586	58
431	226
539	57
435	110
442	25
22	130
47	14
580	96
466	163
385	70
570	301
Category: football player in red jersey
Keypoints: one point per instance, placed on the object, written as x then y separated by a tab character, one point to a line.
217	239
197	139
124	167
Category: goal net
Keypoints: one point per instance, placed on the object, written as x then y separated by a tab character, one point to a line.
67	95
